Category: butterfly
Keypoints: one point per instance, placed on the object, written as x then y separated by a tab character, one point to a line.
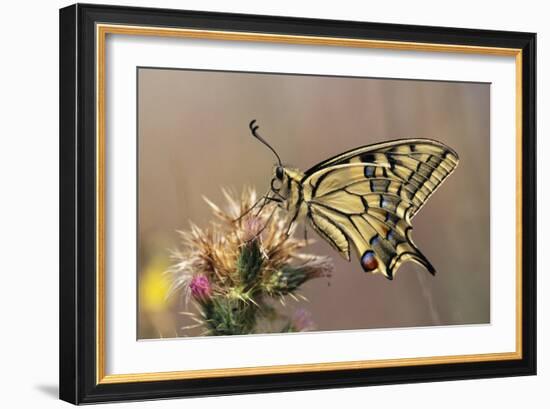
364	199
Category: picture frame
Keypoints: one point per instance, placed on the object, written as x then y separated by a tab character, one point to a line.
84	30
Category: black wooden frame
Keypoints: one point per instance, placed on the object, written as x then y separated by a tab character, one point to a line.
77	204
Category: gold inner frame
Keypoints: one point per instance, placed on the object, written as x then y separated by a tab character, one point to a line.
101	33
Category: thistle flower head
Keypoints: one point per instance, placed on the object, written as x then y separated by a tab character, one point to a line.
251	228
200	287
241	258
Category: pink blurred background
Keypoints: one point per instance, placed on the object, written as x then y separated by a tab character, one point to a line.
194	140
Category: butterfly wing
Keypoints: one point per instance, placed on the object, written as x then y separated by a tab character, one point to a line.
366	198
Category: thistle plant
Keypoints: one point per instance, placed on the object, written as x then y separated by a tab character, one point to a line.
237	268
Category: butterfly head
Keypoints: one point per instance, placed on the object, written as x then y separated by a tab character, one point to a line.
279	182
285	184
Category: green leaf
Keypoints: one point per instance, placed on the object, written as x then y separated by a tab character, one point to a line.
286	280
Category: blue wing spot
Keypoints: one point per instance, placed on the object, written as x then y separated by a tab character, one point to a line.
390	218
369	171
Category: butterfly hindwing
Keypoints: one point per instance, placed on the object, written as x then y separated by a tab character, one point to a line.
366	199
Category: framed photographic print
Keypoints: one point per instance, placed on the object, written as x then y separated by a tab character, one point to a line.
257	203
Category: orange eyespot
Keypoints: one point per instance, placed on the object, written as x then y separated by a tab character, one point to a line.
368	261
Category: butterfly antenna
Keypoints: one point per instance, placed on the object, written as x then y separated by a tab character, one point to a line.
254	129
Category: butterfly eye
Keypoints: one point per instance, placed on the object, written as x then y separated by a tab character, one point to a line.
279	172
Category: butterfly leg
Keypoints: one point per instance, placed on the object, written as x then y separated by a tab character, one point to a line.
289	228
292	220
262	198
266	199
265	225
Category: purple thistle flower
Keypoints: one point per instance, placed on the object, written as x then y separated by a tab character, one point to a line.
200	287
252	227
302	320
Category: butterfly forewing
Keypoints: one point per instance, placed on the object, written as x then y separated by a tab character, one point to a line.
366	198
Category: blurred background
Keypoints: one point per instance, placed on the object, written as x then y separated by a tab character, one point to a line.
194	140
